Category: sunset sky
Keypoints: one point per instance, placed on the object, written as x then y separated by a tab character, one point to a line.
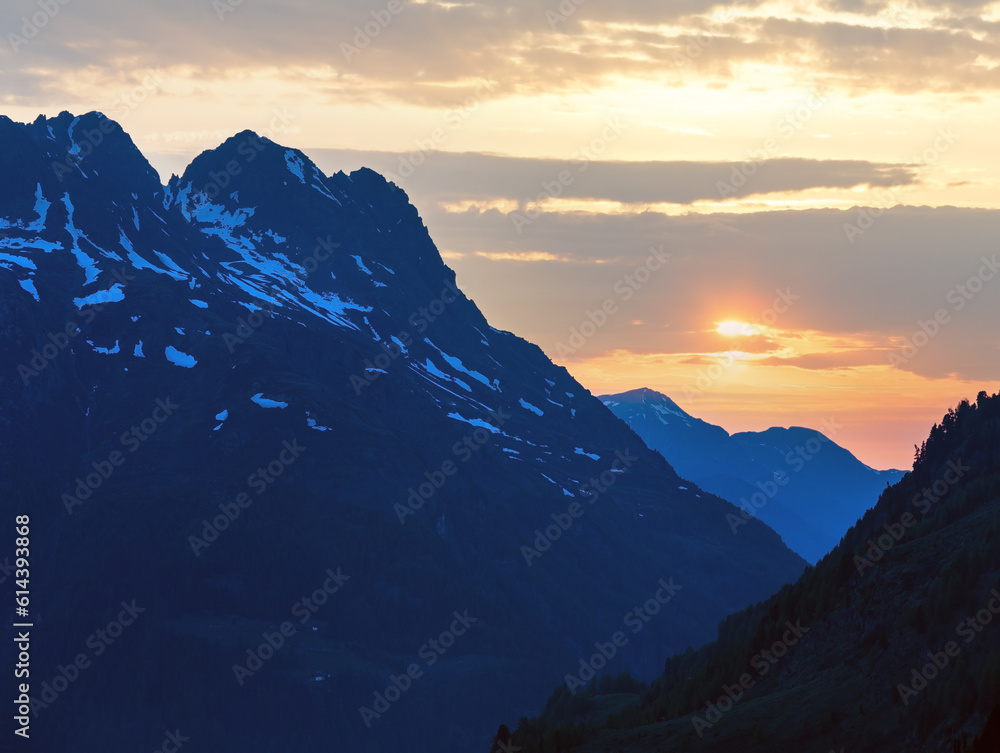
550	146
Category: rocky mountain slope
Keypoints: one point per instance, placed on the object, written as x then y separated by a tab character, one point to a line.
255	405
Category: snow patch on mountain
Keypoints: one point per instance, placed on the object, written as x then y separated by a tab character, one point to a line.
113	295
88	264
29	286
105	351
477	422
6	260
361	264
314	424
265	402
528	406
179	358
295	165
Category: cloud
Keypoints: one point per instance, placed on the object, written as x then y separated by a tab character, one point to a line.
901	59
447	176
432	53
525	256
843	359
795	271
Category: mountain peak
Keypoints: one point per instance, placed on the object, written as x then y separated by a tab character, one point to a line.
644	396
247	157
83	148
291	313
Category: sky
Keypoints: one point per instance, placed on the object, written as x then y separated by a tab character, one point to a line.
776	212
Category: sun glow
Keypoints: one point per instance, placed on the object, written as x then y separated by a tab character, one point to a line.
736	329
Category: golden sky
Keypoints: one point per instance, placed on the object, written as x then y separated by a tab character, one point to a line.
550	145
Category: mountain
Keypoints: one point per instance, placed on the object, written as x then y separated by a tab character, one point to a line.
799	481
890	643
287	487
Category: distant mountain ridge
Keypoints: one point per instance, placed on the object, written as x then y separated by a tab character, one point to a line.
890	644
797	480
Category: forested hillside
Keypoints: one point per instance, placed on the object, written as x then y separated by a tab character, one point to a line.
889	643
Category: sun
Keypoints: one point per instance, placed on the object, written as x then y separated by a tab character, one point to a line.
736	329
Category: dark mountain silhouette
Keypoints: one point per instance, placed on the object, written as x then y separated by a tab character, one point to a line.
288	488
800	482
890	643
